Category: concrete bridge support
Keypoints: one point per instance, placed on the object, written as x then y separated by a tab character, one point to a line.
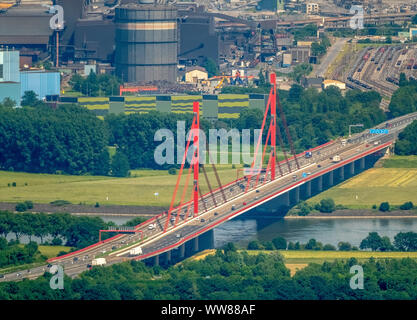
362	163
168	256
320	183
182	251
331	179
308	189
156	260
341	173
352	168
195	244
297	195
286	200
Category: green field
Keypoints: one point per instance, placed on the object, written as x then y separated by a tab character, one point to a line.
137	190
376	185
311	256
400	162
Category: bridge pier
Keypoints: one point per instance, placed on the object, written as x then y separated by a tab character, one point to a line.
308	189
362	163
342	173
352	168
320	183
297	195
156	260
182	251
195	244
331	180
286	197
168	256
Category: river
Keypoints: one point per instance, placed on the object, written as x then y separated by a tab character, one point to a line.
326	230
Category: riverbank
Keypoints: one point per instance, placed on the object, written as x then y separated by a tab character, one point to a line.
358	213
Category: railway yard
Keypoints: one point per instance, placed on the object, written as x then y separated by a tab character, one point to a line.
379	69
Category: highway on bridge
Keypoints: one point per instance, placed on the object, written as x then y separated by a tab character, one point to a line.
153	241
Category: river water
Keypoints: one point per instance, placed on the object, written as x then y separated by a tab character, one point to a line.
327	230
241	230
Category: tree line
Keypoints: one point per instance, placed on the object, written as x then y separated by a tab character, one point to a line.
228	274
72	140
403	241
77	232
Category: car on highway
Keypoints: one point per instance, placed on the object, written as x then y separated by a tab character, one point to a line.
257	191
18	274
75	259
202	220
233	207
29	271
49	265
319	166
114	248
1	276
178	235
151	227
244	203
216	213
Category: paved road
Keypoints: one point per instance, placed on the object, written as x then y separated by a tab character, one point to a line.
331	55
154	241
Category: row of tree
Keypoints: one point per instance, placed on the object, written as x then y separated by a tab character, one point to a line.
403	241
78	232
228	274
13	254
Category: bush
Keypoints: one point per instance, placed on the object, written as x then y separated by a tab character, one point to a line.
329	247
172	171
97	205
327	205
21	207
56	242
407	206
280	243
254	245
268	245
344	246
29	204
384	206
60	203
374	206
13	184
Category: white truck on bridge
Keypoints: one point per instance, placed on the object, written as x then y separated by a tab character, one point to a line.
98	262
135	251
336	159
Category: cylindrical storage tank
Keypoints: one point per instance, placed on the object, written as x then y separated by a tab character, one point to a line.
146	42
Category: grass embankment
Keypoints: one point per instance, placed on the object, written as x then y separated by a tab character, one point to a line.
138	190
46	251
395	185
298	259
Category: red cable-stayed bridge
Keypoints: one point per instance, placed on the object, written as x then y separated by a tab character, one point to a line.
281	184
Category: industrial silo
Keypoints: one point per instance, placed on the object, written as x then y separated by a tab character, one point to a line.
146	42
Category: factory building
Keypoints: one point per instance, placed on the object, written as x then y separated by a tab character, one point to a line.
9	76
146	42
9	66
43	83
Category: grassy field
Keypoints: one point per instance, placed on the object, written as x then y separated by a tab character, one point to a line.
137	190
310	256
400	162
395	185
